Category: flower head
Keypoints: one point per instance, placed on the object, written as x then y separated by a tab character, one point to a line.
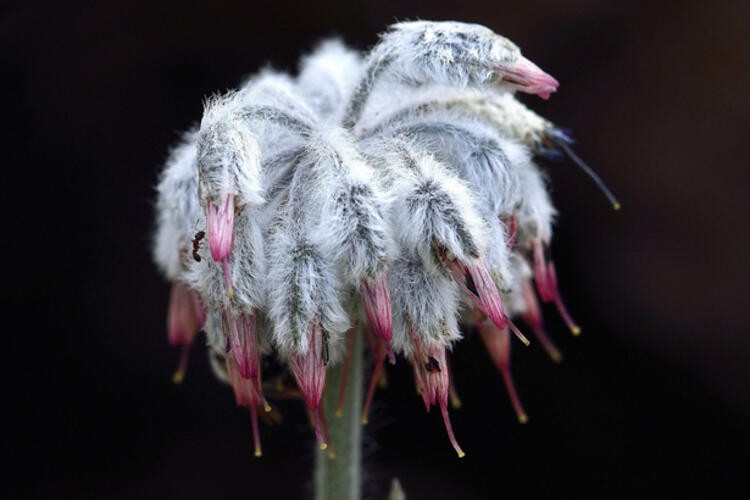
394	190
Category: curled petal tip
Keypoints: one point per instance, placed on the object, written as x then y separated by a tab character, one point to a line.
525	76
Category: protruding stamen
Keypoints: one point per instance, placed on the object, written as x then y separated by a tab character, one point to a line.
373	384
449	429
518	334
345	373
454	399
179	374
549	346
318	428
513	395
572	326
497	343
256	433
533	318
227	278
326	434
383	380
589	171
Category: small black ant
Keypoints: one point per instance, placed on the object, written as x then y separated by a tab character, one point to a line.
197	244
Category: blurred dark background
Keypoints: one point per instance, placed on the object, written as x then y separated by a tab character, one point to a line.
651	401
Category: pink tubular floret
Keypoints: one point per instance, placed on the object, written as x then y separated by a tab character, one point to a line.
433	380
310	372
527	77
220	226
247	393
309	369
532	316
241	329
545	278
376	299
497	342
476	282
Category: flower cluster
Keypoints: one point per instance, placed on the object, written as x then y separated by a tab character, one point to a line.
395	190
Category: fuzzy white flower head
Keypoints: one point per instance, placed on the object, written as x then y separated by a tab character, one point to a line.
395	188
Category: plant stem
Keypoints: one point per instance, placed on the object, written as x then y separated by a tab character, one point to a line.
340	478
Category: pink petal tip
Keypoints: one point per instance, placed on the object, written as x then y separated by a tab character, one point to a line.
220	226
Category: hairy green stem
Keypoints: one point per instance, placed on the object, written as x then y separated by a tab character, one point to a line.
340	477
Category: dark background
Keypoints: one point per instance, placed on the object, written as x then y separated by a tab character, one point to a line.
652	400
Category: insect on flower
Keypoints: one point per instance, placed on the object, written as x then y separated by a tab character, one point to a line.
197	244
395	189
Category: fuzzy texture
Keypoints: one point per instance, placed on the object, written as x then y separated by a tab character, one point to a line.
536	212
305	293
449	53
477	153
248	270
177	209
228	153
395	188
433	213
424	302
328	76
350	225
